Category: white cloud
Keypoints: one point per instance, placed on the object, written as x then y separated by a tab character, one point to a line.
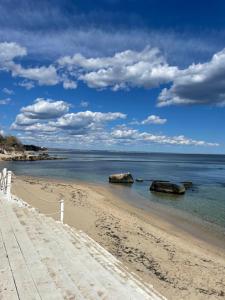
153	119
28	85
5	101
133	136
87	121
43	75
8	91
198	84
42	109
84	104
9	51
69	84
53	120
45	109
37	127
23	120
201	83
147	68
46	115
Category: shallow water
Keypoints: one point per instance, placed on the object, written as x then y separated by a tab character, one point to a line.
206	200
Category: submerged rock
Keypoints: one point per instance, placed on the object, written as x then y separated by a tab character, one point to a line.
121	178
139	179
167	187
187	184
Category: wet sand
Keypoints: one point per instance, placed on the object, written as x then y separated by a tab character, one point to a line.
181	263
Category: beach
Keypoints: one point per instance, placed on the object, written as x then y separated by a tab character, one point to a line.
179	264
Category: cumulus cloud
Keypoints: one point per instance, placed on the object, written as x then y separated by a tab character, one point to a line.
153	119
147	68
133	135
201	83
43	75
84	104
86	119
52	119
45	109
9	51
28	85
8	91
69	84
198	84
23	120
5	101
46	115
41	109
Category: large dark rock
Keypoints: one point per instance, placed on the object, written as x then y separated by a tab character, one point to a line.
121	178
167	187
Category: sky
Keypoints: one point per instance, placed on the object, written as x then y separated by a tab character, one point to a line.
114	74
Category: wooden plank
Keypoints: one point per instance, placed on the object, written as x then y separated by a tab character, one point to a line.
78	273
23	279
118	282
112	264
120	271
92	278
74	265
45	283
7	284
41	243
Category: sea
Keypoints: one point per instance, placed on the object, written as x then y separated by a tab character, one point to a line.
204	201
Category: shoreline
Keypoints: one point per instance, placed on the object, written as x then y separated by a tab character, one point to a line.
155	249
182	221
179	222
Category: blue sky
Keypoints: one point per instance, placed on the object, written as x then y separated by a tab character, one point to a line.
111	74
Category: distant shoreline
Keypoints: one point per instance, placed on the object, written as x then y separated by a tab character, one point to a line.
27	156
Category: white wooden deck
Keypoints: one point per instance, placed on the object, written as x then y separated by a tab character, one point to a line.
44	259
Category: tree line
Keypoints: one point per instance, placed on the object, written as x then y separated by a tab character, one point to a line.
10	143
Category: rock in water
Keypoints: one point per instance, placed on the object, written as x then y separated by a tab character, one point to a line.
121	178
187	184
139	179
167	187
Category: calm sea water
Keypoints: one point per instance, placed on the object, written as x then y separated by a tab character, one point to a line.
206	200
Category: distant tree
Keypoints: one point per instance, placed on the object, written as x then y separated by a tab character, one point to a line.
2	139
12	142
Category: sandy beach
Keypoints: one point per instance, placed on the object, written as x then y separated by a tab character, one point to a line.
179	265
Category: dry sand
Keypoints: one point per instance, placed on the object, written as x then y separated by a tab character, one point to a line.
178	265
